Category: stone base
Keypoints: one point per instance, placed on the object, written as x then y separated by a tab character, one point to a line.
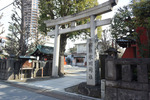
113	93
93	91
125	94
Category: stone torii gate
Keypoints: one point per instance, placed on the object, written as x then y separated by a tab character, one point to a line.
92	57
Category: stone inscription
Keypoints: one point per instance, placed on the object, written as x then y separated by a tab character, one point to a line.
90	62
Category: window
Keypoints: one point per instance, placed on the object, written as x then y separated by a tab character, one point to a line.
79	60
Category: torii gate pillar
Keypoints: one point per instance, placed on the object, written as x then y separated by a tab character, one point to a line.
56	52
93	26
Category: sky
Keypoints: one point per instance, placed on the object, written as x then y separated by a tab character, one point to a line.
121	3
8	12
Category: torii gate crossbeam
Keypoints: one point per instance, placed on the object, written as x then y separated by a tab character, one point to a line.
92	13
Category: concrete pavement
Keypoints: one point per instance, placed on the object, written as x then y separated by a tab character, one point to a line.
8	92
55	87
74	76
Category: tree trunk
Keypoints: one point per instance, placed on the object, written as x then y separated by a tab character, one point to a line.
22	30
63	42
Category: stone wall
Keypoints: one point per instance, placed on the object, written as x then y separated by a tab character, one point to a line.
7	69
10	69
127	79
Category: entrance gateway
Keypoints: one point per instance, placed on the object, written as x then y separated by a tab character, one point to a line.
92	56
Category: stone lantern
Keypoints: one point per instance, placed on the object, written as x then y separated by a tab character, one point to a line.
112	52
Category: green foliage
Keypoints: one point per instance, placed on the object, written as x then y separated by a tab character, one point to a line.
99	29
53	9
141	11
130	18
12	43
122	25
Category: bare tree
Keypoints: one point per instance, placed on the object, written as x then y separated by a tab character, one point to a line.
105	41
1	25
21	18
19	24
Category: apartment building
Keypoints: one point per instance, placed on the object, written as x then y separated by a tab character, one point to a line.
31	13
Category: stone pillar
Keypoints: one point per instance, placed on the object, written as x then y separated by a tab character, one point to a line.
37	64
21	75
92	56
93	26
126	73
56	52
142	73
61	66
110	69
9	75
102	88
32	73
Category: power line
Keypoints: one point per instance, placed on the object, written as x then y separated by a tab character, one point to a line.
7	6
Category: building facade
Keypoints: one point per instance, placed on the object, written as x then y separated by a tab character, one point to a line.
80	56
31	12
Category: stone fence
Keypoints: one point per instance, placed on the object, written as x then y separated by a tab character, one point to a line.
6	69
10	69
127	79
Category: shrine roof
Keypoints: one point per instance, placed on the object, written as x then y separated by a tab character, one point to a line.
27	57
111	49
43	50
125	42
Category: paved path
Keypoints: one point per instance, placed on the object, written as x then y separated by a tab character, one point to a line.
74	69
74	76
55	87
8	92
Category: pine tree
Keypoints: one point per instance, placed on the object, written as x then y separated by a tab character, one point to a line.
12	43
131	21
122	25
